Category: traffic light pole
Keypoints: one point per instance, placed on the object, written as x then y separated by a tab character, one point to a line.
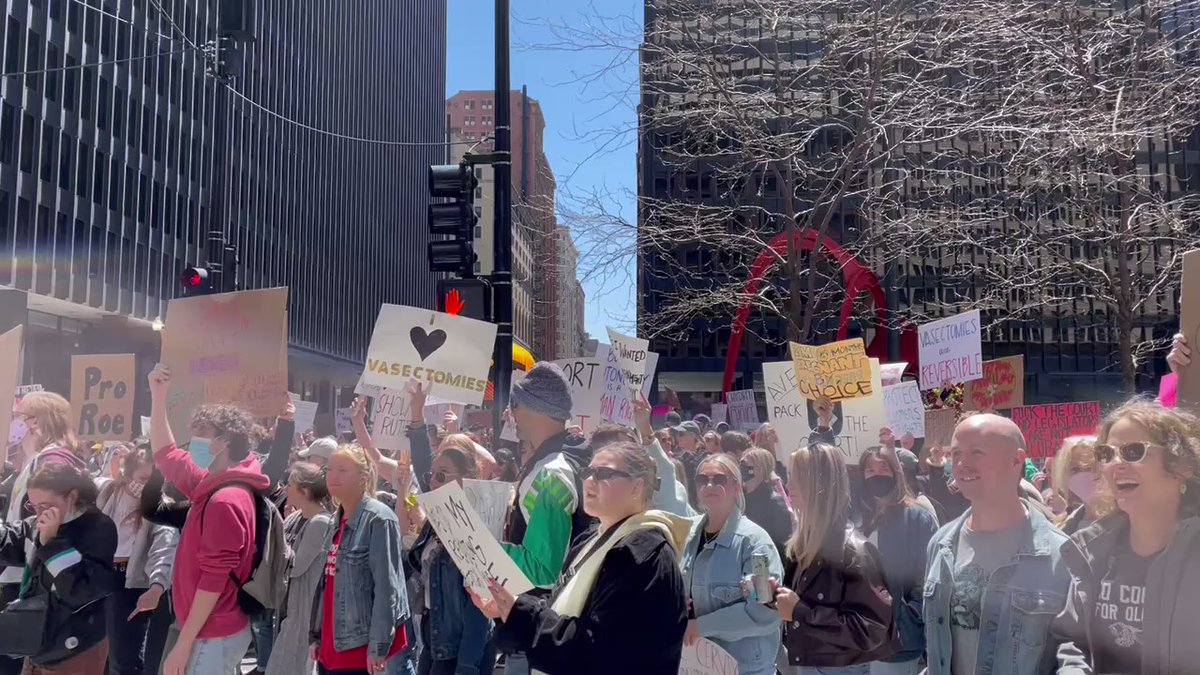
219	186
501	278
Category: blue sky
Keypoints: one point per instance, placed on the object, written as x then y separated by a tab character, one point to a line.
583	156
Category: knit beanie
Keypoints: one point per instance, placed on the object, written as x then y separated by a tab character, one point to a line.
544	391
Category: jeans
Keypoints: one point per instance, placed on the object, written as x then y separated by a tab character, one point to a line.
135	645
219	656
400	664
516	664
8	593
263	626
904	668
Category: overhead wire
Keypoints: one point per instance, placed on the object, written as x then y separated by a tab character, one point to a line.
98	64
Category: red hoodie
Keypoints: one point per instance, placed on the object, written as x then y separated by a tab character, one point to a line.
204	561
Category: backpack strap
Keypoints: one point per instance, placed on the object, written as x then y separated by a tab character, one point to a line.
254	496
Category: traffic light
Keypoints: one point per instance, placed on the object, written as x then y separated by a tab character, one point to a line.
471	298
195	281
455	219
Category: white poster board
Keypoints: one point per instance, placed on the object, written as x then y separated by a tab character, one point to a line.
390	417
951	350
742	413
341	419
29	389
451	353
586	379
720	413
905	409
306	414
892	373
707	658
491	500
476	553
632	356
856	422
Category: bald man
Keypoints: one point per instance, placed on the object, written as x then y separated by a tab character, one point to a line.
996	578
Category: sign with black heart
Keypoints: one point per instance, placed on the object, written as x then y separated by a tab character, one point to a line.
451	353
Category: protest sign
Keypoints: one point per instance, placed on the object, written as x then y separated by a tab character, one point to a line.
939	426
951	350
743	410
306	413
491	500
892	373
145	428
855	423
616	406
1002	386
707	658
838	371
341	420
720	413
1047	426
102	396
450	353
10	374
585	376
476	553
1187	388
28	389
226	348
632	356
905	409
390	413
435	413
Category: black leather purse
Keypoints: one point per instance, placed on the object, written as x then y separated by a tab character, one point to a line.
23	626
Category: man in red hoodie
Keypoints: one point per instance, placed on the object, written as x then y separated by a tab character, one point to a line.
218	536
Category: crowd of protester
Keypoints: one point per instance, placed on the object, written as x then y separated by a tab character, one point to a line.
315	556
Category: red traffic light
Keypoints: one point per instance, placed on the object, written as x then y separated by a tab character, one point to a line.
194	280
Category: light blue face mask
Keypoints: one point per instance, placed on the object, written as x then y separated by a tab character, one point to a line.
200	450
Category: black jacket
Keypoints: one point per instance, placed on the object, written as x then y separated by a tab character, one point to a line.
633	621
75	569
576	451
766	508
844	616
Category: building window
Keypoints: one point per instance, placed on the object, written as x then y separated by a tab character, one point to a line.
470	121
487	120
470	105
487	105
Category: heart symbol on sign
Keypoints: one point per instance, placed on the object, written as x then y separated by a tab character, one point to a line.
427	343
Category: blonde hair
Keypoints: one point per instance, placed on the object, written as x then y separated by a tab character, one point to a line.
731	469
821	505
1060	465
355	453
763	462
1173	429
54	418
461	442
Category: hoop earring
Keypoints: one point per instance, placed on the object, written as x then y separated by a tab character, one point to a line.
1183	489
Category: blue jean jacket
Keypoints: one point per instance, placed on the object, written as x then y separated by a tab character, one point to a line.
457	630
750	632
1019	602
370	600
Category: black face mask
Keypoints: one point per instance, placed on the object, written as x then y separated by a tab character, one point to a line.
747	473
880	486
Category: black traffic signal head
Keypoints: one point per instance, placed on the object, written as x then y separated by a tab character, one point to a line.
455	219
195	281
452	181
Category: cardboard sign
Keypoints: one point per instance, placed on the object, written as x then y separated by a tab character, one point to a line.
905	409
1002	386
490	499
892	373
951	350
28	389
633	357
588	388
1187	389
838	371
226	348
10	375
939	426
707	658
855	423
476	553
451	353
743	409
102	387
390	413
1047	426
719	413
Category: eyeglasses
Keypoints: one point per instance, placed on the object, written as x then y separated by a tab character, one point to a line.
1130	453
603	473
716	479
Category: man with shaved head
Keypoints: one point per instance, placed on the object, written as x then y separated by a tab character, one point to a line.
995	579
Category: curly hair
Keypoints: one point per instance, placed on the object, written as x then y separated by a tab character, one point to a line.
238	427
1173	429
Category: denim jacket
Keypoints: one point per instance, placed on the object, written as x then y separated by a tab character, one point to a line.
1018	605
370	601
457	630
750	632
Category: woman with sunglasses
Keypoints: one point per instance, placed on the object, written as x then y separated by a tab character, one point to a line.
458	637
719	554
900	530
1135	590
619	604
835	606
766	505
1076	478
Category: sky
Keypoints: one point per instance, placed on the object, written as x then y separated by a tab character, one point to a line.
578	109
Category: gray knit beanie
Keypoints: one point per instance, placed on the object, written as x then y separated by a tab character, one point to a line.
544	391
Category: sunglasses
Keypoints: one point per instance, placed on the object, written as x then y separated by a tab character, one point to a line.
440	476
603	473
1130	453
715	479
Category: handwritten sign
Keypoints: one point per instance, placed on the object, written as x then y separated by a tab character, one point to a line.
707	658
1047	426
743	410
10	369
145	422
1002	386
341	420
28	389
435	413
951	350
226	348
939	426
306	413
838	371
390	413
1187	388
490	499
616	404
905	409
102	396
476	553
585	376
892	373
633	357
720	413
450	353
855	423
